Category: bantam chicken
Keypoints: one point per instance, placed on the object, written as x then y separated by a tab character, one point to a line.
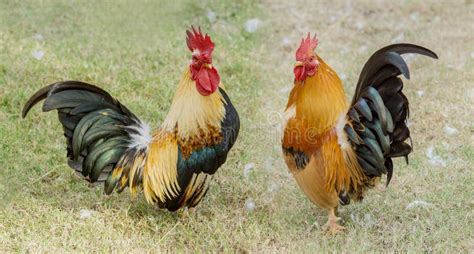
336	150
173	165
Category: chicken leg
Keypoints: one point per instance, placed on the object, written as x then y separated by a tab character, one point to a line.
332	225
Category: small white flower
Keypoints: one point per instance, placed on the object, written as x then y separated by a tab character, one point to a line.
343	76
435	160
285	41
359	25
450	130
248	167
363	48
249	205
211	16
37	54
414	16
252	25
420	93
85	214
38	37
417	203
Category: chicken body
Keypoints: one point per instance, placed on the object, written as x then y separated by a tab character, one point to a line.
173	164
184	153
336	150
310	142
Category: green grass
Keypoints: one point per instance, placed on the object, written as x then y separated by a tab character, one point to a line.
137	51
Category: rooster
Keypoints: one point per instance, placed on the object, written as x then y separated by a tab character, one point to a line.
173	165
336	150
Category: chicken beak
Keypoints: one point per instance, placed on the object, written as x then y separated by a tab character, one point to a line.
208	66
298	64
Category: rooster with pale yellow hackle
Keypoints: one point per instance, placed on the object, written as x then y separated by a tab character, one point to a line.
174	164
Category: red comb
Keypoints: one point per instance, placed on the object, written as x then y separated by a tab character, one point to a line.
307	45
196	40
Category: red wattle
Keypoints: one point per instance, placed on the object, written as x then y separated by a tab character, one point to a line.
299	73
207	81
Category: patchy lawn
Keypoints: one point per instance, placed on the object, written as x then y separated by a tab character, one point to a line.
137	52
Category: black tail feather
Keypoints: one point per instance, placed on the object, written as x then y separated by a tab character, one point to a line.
61	86
381	110
94	123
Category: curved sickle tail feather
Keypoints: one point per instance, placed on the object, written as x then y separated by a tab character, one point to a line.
101	133
376	121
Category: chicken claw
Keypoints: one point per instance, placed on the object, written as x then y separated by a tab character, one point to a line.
332	226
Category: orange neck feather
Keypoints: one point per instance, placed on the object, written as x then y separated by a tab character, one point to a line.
319	101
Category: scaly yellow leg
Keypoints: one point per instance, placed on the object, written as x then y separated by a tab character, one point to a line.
332	226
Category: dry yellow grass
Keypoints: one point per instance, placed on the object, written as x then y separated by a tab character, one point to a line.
137	52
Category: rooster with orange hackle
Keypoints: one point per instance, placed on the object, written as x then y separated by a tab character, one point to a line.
335	149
